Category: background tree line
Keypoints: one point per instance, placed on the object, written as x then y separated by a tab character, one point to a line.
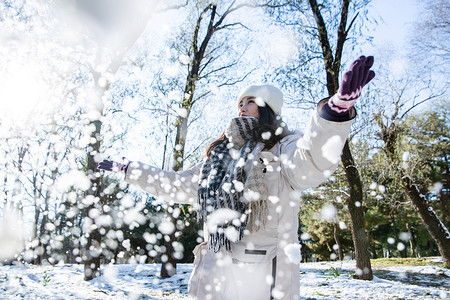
160	88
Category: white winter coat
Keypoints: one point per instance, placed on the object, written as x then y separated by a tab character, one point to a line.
265	263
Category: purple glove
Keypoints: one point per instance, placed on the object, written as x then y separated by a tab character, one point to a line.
109	165
358	75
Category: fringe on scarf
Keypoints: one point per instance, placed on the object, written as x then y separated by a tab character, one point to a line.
257	217
217	241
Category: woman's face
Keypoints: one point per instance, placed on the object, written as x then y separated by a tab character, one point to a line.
248	108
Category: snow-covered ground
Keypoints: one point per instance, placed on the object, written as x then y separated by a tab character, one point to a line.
140	281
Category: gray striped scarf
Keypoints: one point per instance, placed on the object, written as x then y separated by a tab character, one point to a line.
232	195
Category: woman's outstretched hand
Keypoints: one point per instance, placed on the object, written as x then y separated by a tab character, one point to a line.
358	75
109	165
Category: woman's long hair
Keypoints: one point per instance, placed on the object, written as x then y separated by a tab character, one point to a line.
270	130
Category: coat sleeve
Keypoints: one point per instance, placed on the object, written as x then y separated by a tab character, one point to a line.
177	187
310	159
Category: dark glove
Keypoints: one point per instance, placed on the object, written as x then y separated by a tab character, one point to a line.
358	75
109	165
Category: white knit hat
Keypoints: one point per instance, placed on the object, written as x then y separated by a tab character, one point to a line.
271	95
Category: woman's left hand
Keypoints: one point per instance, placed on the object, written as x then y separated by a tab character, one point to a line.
358	75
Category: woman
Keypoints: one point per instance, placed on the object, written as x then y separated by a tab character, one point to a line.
247	190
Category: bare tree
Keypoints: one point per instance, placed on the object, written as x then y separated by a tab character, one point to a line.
341	17
390	122
429	39
390	134
40	124
107	16
114	15
204	52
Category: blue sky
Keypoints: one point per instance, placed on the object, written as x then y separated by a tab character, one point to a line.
396	15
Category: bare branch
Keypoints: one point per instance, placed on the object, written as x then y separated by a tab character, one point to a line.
128	114
232	25
326	47
417	104
173	7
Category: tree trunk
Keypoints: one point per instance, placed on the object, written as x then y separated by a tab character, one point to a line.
169	263
411	240
337	240
169	266
430	219
355	208
5	182
445	206
37	207
40	251
91	257
435	227
445	195
372	246
332	65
